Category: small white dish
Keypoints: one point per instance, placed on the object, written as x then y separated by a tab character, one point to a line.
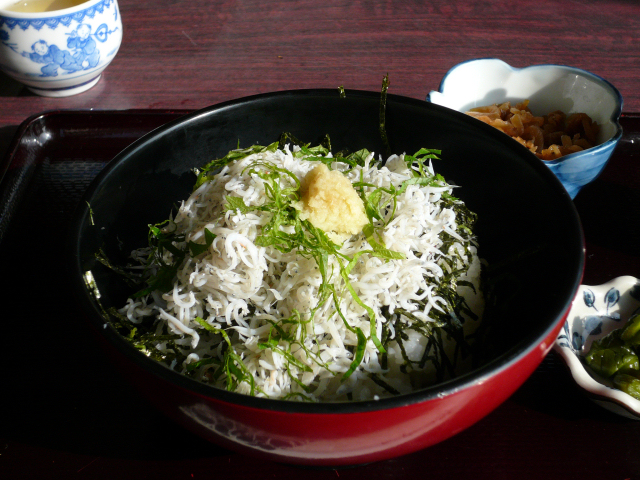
483	82
595	312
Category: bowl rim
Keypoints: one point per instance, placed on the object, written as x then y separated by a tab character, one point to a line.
614	118
62	12
592	387
449	387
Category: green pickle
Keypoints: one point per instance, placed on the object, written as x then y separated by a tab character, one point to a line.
615	356
628	383
631	332
609	361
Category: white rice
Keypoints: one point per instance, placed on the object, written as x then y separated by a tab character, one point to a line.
239	287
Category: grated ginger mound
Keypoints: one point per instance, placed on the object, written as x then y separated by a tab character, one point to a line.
330	202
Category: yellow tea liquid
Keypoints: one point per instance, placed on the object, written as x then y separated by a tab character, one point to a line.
35	6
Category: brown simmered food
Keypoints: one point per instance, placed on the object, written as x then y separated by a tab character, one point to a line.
549	137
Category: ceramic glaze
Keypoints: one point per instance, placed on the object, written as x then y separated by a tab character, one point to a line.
596	312
488	81
62	52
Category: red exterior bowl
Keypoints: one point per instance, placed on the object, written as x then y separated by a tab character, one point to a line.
528	231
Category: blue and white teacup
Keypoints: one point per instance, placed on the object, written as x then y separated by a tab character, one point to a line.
62	52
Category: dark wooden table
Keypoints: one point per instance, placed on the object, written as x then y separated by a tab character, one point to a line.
67	414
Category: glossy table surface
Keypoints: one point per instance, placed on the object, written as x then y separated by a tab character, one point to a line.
190	54
179	55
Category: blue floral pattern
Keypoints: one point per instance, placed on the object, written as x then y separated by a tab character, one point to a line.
591	325
60	53
78	49
81	51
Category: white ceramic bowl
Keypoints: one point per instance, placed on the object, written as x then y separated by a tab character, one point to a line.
595	312
483	82
62	52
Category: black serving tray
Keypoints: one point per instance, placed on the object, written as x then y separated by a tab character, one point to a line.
68	413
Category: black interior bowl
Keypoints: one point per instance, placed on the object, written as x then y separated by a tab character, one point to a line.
528	232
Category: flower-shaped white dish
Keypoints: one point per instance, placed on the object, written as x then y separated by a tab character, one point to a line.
595	312
488	81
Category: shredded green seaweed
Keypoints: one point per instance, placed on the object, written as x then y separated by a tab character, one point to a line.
287	232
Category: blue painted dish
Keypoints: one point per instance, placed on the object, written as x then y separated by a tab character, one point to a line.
596	312
483	82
